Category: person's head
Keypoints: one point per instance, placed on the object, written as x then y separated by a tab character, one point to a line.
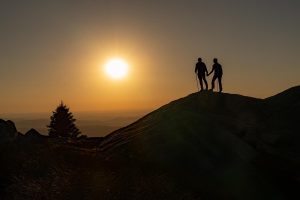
199	59
215	60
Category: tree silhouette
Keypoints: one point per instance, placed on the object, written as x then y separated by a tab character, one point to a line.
62	123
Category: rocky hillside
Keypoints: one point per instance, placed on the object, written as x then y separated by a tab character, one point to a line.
203	146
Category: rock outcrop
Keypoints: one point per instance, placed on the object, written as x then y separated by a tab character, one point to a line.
8	131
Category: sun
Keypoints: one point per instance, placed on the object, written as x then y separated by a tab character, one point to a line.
116	68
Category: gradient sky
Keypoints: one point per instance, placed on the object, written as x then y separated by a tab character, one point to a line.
55	50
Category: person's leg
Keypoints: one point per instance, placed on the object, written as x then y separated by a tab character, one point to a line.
220	83
213	82
201	83
204	79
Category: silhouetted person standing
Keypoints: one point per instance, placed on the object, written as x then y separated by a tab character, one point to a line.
201	71
218	72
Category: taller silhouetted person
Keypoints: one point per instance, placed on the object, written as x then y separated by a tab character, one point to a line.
201	71
217	68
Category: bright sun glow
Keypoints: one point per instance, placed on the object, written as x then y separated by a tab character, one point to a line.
116	68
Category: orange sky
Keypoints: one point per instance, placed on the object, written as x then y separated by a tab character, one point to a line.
56	51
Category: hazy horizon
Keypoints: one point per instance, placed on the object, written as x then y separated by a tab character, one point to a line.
91	123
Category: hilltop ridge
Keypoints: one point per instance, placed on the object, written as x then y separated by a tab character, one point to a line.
213	133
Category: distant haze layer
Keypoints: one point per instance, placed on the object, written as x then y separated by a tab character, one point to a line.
92	124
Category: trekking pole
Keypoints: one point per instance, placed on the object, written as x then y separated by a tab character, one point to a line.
197	83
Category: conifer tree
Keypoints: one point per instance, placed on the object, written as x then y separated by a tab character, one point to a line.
62	123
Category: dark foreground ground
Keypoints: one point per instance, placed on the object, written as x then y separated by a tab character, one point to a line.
203	146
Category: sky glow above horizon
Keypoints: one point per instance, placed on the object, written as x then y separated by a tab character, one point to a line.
51	50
